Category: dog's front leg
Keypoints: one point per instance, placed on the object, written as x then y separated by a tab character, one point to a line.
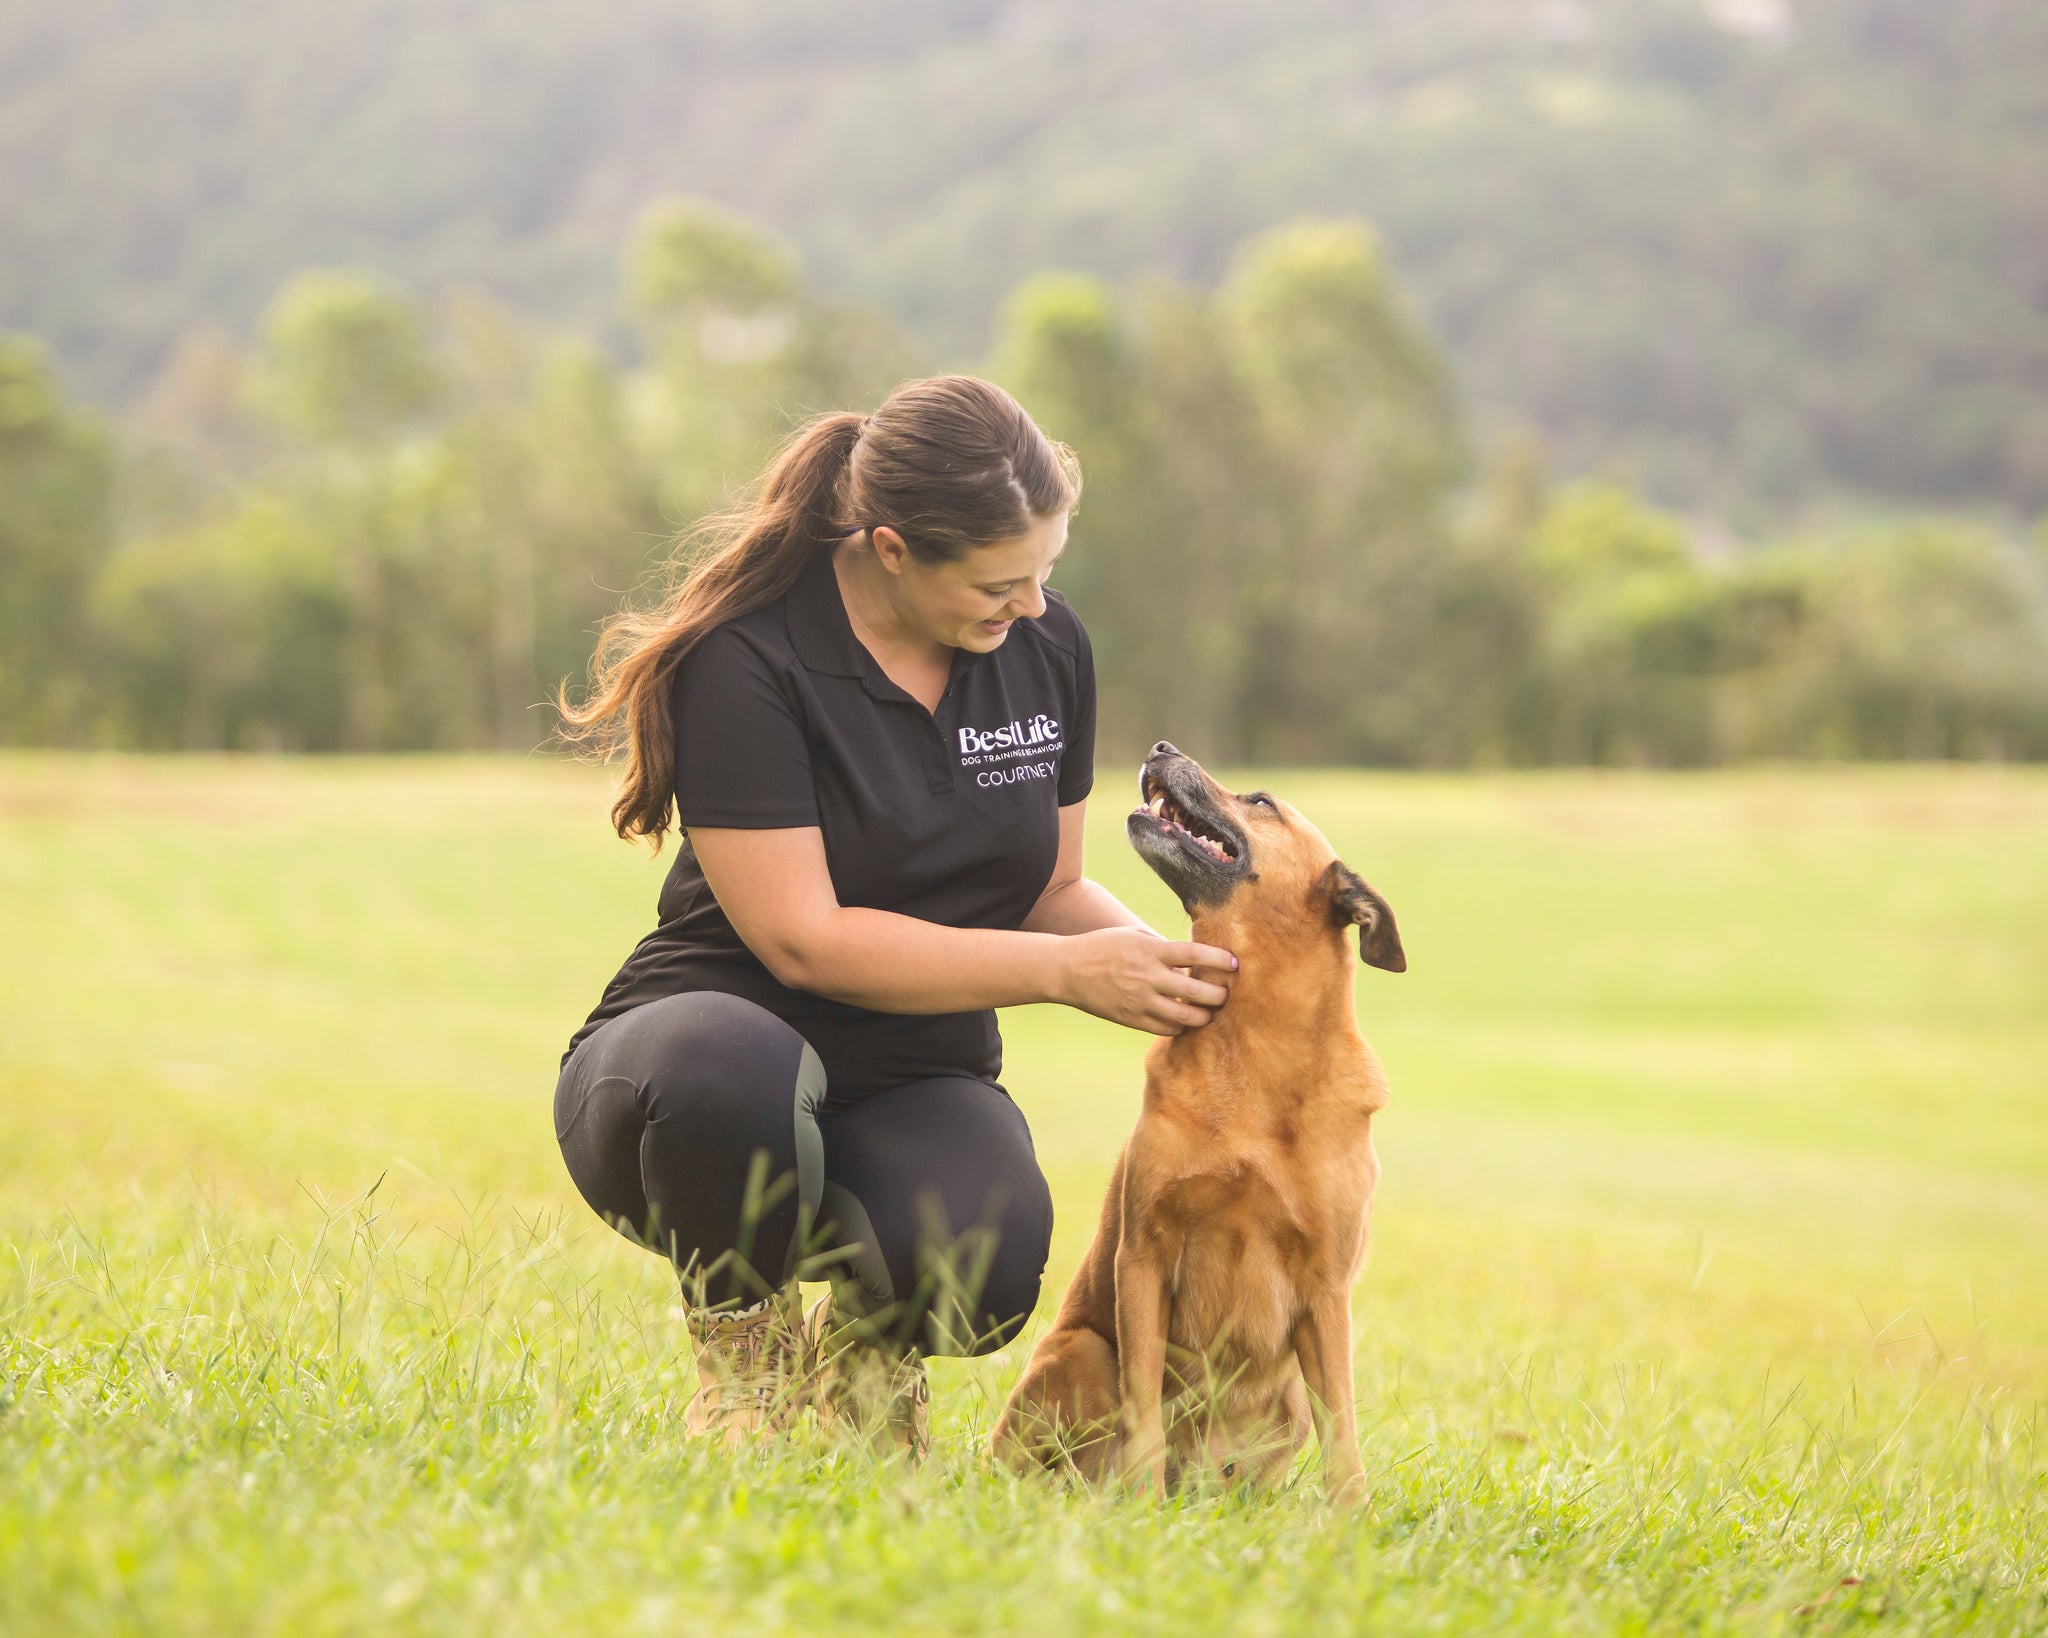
1322	1342
1141	1366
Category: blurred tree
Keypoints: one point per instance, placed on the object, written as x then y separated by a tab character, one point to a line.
1482	692
1209	519
1061	349
56	491
345	360
1596	533
693	259
1619	583
1759	272
739	348
1266	475
346	370
1931	640
229	635
523	521
1273	549
195	434
594	501
1346	379
1361	439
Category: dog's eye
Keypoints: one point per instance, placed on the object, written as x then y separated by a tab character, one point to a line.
1259	799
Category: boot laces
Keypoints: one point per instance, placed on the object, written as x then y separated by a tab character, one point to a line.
743	1353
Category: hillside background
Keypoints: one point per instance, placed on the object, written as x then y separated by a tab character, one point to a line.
1761	260
1473	383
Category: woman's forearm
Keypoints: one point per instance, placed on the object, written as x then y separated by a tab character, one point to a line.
1078	945
892	963
1081	906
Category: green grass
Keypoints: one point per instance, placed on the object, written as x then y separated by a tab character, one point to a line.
1711	1263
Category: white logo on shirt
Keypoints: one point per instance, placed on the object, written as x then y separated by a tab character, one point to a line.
1014	742
1040	730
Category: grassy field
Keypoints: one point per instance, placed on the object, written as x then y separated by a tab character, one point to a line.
1710	1291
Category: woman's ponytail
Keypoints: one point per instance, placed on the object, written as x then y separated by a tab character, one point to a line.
953	462
731	562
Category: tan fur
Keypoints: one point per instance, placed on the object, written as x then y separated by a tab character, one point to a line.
1210	1322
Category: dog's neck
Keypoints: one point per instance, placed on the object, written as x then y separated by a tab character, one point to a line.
1288	1037
1290	977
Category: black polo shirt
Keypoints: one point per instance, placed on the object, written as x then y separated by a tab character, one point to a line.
783	719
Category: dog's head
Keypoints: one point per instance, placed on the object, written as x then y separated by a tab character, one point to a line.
1217	849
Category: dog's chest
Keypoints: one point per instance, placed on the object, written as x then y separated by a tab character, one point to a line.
1248	1233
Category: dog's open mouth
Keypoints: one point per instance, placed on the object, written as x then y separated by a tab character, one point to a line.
1182	829
1187	825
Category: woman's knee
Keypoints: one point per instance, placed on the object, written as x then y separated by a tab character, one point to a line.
711	1086
1024	1238
969	1292
706	1053
598	1125
1016	1270
952	1196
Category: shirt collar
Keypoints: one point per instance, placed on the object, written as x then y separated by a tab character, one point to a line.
823	636
818	628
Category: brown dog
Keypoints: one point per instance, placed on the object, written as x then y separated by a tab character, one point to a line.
1210	1322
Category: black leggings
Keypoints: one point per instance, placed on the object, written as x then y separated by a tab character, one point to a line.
694	1125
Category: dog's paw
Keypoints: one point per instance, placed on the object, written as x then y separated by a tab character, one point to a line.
1146	1478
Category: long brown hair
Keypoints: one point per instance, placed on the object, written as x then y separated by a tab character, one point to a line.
951	462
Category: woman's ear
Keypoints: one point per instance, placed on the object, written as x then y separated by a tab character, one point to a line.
1352	899
891	550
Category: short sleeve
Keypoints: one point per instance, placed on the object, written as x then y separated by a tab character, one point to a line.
742	759
1077	759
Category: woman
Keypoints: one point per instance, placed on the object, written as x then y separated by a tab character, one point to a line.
874	726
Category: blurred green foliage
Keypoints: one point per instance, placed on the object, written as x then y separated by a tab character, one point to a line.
55	529
1748	256
395	526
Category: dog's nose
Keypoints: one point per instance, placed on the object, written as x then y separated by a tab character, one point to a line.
1165	747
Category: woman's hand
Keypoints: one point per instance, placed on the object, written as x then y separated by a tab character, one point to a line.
1132	976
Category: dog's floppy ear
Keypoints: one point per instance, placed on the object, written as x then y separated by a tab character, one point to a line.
1351	899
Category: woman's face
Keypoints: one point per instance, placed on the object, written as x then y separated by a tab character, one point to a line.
972	603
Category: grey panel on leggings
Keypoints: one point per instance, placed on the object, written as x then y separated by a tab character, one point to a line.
823	1202
810	1143
855	1232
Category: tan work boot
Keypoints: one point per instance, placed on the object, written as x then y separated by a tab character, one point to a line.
749	1367
874	1393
